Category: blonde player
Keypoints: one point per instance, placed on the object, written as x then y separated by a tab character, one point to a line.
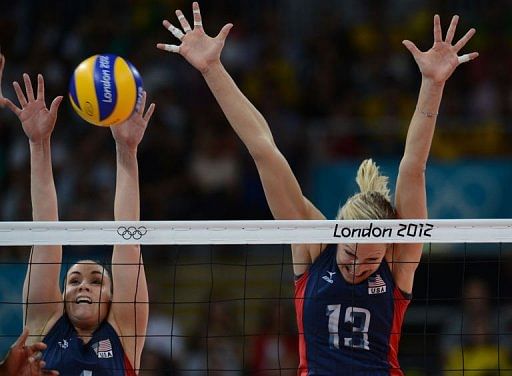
351	298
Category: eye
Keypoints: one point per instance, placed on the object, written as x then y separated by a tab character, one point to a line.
74	282
96	282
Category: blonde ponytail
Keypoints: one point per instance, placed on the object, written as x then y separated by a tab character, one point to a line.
369	179
373	201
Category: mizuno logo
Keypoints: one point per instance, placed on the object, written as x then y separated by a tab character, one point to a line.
64	344
329	278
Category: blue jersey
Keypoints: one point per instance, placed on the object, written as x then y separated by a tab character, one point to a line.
103	355
344	328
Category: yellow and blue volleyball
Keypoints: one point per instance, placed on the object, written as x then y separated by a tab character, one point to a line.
105	89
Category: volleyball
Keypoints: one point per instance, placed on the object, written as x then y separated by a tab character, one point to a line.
105	89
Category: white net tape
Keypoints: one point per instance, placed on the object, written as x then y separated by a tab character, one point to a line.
257	232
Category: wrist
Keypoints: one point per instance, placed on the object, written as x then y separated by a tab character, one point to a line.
432	84
40	143
126	149
212	68
427	113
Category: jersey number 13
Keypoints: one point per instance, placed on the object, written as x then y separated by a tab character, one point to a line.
353	315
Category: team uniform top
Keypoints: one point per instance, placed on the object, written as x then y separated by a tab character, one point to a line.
345	328
103	355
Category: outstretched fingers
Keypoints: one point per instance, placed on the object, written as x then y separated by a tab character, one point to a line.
168	47
438	35
451	30
185	25
183	21
198	23
40	87
19	94
149	112
142	106
224	32
411	47
28	88
467	57
11	106
178	34
462	42
54	107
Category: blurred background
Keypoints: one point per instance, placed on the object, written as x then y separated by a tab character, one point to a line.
336	86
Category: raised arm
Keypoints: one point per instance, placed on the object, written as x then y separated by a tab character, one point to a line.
282	190
129	311
436	66
41	292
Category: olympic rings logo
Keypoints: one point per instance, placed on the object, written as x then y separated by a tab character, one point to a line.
132	232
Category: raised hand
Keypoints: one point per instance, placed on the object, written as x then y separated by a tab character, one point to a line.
37	121
199	49
439	62
130	132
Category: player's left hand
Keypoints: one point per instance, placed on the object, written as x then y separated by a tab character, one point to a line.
130	132
439	62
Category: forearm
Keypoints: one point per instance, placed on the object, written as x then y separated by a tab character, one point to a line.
410	197
41	281
126	208
127	198
245	119
422	126
127	263
42	188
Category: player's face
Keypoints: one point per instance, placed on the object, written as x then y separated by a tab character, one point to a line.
87	293
358	261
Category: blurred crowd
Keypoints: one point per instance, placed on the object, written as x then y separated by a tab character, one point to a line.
331	77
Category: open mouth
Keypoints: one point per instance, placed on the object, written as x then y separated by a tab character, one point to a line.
351	272
83	300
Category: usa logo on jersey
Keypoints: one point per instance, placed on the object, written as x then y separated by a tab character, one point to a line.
376	285
103	349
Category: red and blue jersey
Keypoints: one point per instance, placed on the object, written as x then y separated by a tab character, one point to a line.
344	328
103	355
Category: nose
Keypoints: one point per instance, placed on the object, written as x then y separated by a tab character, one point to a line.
83	286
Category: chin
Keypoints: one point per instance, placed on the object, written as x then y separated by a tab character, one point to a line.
356	281
83	313
350	278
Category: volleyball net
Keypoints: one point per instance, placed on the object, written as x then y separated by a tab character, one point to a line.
222	292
